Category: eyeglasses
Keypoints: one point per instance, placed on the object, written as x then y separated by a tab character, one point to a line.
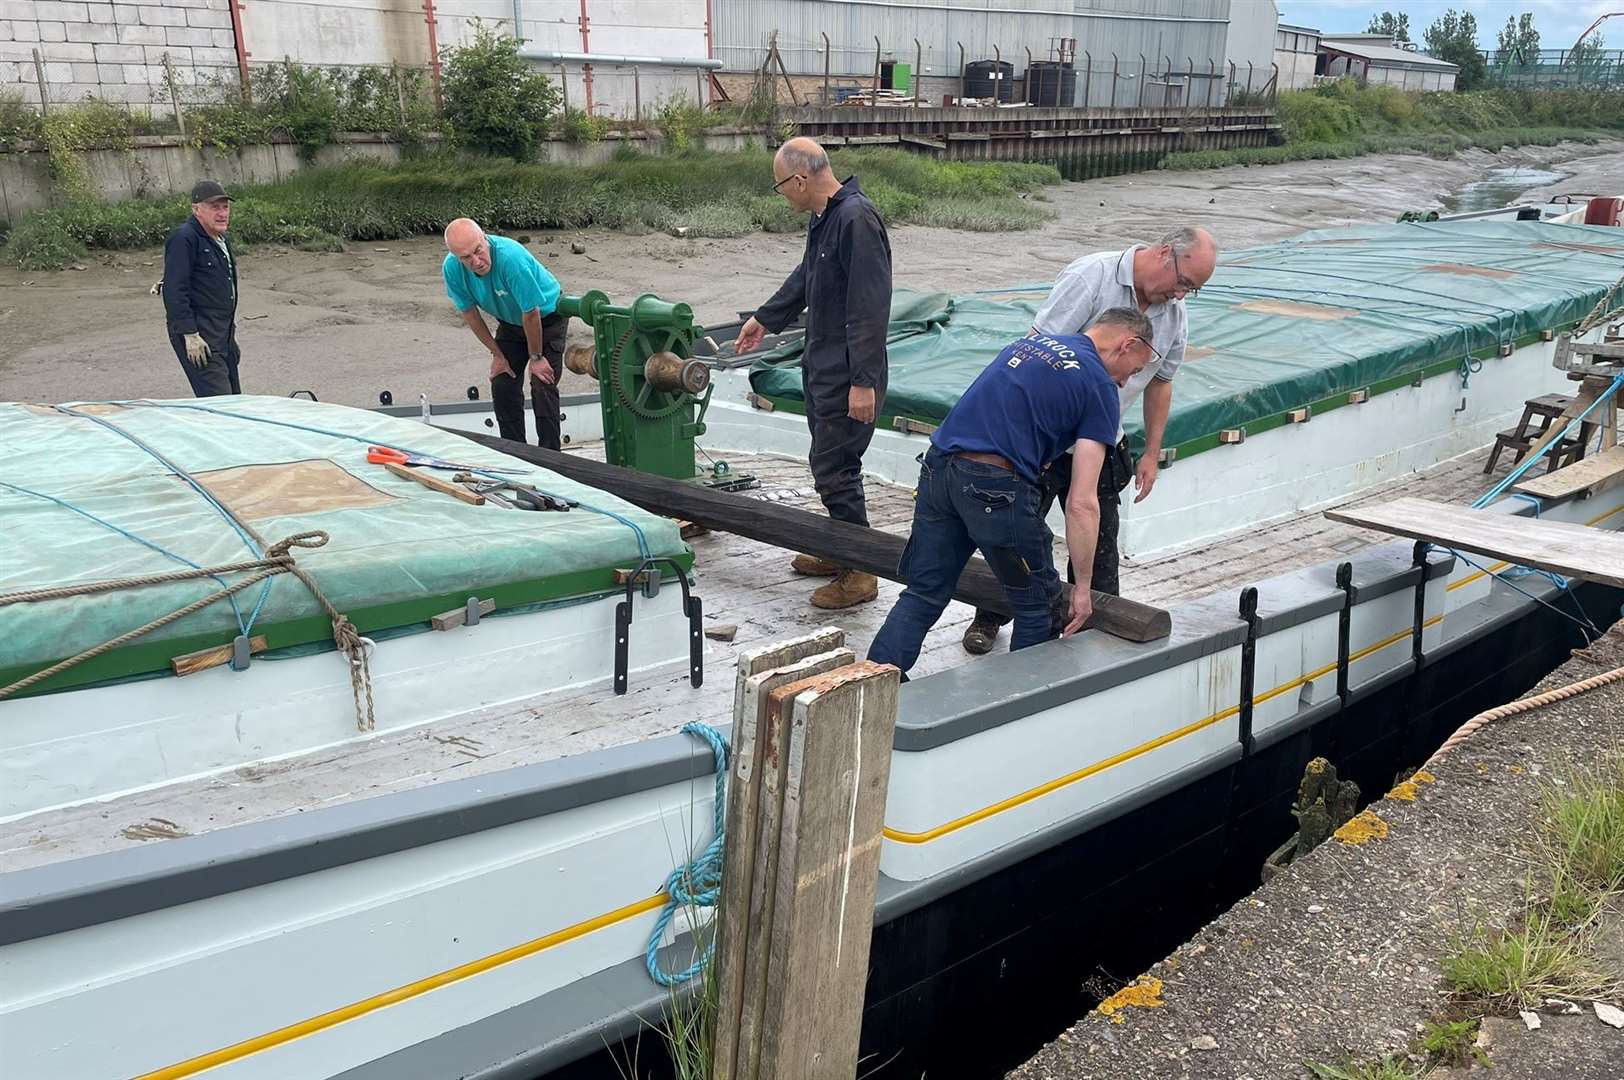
1189	287
777	188
1149	346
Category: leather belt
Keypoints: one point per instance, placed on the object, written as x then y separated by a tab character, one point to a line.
986	459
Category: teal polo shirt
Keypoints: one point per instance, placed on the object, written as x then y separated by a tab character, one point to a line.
516	283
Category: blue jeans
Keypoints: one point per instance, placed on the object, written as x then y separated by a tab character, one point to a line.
963	505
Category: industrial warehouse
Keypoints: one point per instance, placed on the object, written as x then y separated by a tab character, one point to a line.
809	538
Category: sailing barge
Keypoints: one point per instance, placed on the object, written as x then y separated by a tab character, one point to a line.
216	872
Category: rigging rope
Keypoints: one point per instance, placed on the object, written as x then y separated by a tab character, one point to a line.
698	883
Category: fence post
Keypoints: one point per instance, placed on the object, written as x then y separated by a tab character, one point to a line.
919	66
827	53
39	73
876	98
400	94
174	98
1114	63
962	94
1139	101
753	818
564	84
637	96
820	761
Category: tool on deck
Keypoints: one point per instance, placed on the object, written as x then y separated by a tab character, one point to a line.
523	498
383	455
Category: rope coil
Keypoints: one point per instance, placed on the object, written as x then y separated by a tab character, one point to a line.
698	883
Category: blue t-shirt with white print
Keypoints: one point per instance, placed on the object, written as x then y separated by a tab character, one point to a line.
1034	402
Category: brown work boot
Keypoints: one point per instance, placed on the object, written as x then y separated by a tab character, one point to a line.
980	636
812	566
848	589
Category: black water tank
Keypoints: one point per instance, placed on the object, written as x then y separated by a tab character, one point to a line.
1049	82
990	79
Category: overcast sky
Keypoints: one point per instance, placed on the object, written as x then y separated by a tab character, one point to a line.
1558	21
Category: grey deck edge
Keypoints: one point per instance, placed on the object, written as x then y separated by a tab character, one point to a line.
57	897
565	1025
412	412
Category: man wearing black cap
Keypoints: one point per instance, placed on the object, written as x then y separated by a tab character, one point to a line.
200	293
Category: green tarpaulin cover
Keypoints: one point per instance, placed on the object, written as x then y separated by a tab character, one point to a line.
397	549
1286	324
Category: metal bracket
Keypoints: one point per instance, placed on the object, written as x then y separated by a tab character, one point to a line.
472	617
1421	549
1248	665
1344	629
240	652
690	608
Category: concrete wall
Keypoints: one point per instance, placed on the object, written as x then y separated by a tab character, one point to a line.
114	51
157	165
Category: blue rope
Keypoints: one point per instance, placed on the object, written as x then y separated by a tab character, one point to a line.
165	552
1533	459
1469	366
699	883
642	541
246	626
1507	577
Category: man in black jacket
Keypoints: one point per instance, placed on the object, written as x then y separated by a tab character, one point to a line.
843	283
200	294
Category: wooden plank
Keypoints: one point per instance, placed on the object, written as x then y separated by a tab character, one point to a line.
794	529
434	483
448	620
1573	550
841	729
203	659
1587	475
760	671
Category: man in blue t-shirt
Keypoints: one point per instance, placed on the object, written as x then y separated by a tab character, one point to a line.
500	277
981	481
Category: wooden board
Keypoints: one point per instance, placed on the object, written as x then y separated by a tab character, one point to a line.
761	755
799	530
842	726
1570	480
448	620
204	659
434	483
1574	550
760	671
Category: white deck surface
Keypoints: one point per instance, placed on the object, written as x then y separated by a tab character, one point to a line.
741	582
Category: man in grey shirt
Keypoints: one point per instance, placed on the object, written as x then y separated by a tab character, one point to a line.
1153	279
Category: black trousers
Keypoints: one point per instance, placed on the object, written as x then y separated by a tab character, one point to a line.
507	391
838	445
215	378
1115	475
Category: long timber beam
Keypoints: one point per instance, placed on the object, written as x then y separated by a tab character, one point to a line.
870	550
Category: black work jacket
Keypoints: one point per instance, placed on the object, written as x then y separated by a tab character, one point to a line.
200	288
844	285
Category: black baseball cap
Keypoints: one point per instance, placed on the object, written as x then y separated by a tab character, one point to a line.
207	190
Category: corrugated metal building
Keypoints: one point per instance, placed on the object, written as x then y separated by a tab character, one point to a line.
1143	40
1374	58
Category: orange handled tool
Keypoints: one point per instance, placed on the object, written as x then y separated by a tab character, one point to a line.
383	455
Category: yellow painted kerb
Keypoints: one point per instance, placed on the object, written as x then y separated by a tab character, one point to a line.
404	993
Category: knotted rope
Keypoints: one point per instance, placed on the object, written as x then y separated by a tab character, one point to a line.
698	883
278	560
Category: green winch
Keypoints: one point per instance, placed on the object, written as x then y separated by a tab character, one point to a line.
653	392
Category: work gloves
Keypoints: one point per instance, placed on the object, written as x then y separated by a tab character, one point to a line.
197	350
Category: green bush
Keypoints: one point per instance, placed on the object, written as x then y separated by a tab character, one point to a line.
19	121
578	126
43	241
494	103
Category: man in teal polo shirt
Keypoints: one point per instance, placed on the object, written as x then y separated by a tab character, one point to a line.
499	277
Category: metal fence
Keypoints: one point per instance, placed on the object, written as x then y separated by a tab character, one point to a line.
1558	68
